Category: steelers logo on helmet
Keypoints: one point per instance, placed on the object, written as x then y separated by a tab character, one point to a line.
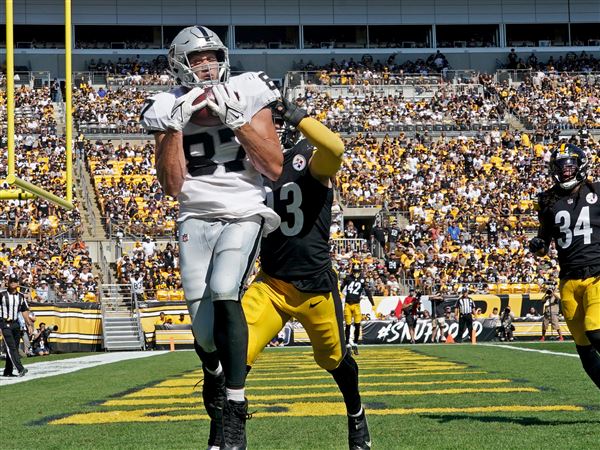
568	166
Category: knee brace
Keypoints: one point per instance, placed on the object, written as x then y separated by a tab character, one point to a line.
594	338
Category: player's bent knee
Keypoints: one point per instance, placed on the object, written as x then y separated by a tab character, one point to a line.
328	361
206	342
594	338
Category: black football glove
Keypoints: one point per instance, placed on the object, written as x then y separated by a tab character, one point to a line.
288	111
536	244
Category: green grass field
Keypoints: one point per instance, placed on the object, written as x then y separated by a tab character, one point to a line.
423	396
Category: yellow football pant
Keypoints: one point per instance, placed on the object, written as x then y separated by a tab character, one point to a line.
352	311
581	307
269	303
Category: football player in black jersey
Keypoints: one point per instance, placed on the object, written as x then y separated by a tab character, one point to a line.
569	215
354	287
296	277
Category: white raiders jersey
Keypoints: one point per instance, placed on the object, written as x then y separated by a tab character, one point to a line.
221	182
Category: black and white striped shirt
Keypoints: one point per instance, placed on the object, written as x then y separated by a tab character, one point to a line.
11	305
465	305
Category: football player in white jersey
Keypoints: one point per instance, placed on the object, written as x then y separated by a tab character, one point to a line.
215	173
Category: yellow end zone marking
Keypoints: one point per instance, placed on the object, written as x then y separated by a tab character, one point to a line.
404	374
168	395
362	365
294	410
434	370
184	383
364	369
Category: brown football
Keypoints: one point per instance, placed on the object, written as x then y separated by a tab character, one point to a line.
205	117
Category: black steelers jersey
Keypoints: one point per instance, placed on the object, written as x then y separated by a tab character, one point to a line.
392	266
572	220
298	251
354	288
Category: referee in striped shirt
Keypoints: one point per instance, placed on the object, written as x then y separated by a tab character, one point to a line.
12	303
464	310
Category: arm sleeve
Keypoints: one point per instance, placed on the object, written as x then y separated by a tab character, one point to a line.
327	159
370	296
543	232
24	306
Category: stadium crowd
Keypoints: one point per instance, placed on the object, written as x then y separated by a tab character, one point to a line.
151	270
128	193
556	101
571	62
34	111
108	110
377	112
133	71
51	270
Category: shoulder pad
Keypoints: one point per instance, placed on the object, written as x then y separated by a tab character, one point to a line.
157	108
296	159
257	88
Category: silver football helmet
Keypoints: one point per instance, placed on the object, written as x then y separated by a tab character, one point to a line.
196	39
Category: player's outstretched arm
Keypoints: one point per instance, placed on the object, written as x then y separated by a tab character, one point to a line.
261	143
327	159
540	244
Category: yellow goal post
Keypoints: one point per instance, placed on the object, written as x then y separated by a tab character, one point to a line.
23	189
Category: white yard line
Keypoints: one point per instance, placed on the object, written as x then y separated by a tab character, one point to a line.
524	349
62	366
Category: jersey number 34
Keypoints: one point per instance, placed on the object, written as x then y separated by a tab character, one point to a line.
582	227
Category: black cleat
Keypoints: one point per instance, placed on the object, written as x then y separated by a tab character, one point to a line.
235	415
23	372
213	394
358	433
355	349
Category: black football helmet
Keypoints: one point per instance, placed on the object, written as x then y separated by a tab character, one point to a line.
568	166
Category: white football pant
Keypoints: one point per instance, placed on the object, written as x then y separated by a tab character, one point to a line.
216	259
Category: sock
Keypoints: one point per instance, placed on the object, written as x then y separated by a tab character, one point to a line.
210	361
356	333
237	395
217	372
358	414
346	377
590	360
231	340
347	334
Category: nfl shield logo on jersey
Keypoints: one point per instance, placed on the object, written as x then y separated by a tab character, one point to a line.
299	162
185	237
591	198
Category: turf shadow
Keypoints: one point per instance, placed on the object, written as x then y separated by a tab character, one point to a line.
523	421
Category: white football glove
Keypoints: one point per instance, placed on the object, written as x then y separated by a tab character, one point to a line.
183	109
229	105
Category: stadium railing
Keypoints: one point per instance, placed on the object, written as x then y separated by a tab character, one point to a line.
32	79
347	245
496	288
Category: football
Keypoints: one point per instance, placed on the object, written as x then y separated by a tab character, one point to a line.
205	117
